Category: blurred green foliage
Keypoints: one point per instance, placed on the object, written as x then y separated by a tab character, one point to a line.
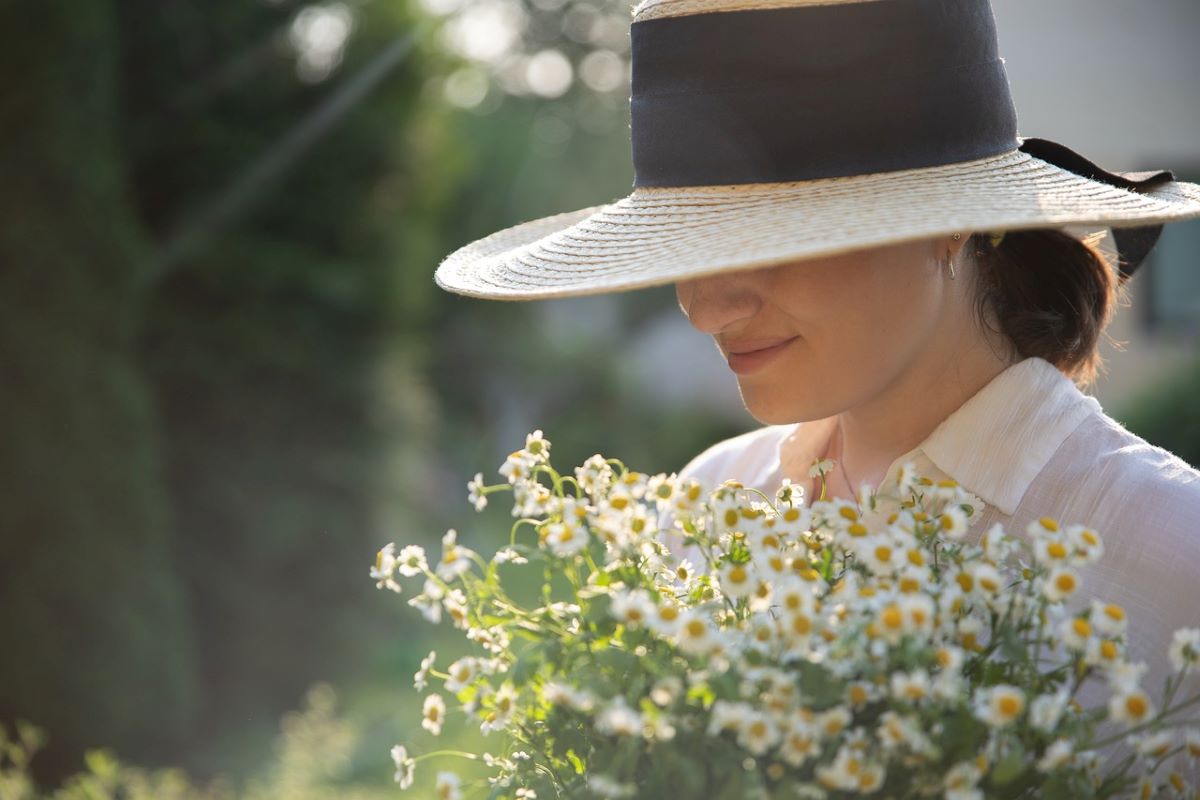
314	760
1168	414
226	375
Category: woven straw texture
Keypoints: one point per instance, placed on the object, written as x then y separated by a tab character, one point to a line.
660	235
653	9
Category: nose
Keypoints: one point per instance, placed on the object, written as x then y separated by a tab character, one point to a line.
717	303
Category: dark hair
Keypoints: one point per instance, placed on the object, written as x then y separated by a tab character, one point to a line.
1050	292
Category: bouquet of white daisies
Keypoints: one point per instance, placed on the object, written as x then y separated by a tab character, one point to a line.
816	649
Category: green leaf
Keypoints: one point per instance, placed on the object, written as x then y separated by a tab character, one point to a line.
1010	767
599	610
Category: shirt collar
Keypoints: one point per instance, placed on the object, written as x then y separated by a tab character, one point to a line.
997	442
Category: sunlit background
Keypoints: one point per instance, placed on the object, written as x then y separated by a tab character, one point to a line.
227	378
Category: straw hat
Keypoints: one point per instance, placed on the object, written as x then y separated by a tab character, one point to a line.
766	131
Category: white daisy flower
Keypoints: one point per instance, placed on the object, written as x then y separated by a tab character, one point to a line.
954	522
1046	710
997	545
737	580
517	468
504	706
666	618
821	468
1125	676
429	602
1057	755
448	786
456	559
1155	745
1075	633
695	634
383	571
1131	707
421	677
509	555
1191	744
537	446
565	539
1087	545
962	781
999	706
910	687
411	561
433	714
632	609
1184	651
1108	618
881	554
986	578
758	733
475	493
404	766
455	603
906	477
1061	583
1051	550
618	719
461	673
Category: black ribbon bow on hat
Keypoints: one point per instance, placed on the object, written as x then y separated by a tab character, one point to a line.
1133	244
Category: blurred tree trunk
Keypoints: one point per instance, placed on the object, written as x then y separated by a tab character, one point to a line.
93	625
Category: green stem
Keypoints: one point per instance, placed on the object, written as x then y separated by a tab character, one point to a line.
459	753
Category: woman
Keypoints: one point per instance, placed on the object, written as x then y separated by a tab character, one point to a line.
839	194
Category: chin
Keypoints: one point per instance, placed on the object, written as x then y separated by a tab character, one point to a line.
771	410
780	407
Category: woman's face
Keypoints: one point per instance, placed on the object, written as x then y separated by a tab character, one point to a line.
812	338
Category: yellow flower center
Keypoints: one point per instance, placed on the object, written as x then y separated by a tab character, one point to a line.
1137	706
1009	706
1056	550
1065	583
1081	628
737	575
892	618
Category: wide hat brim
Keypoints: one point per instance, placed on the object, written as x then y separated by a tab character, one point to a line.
660	235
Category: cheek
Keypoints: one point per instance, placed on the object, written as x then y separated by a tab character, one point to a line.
861	324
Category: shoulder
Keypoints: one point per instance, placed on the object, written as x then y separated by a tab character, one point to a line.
1140	466
1120	480
739	456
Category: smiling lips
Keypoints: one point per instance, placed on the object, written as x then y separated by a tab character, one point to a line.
750	355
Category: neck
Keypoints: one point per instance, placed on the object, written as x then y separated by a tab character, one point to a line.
898	419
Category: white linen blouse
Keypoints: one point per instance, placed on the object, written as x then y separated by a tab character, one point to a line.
1031	444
